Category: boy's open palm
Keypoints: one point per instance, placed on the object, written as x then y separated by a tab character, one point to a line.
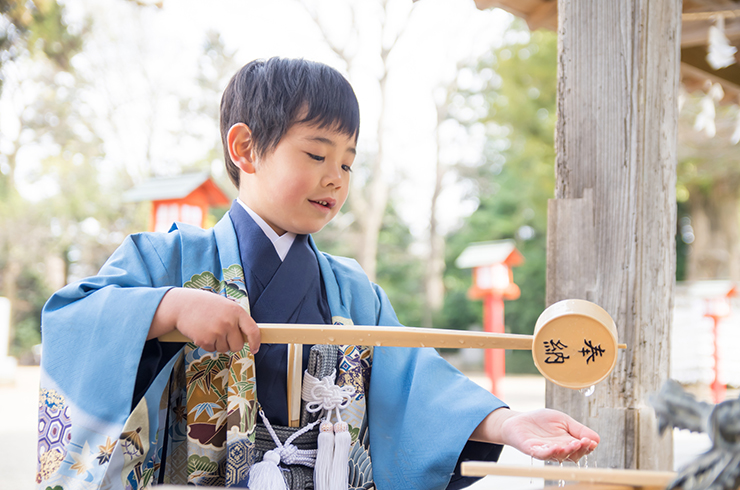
549	435
209	320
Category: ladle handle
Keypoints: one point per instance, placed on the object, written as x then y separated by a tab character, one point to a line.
295	333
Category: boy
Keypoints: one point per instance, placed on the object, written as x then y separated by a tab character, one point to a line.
119	409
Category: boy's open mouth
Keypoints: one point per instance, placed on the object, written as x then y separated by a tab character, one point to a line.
327	203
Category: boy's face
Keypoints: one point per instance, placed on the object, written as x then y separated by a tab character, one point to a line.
301	185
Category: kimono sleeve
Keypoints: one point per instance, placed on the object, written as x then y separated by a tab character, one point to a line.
93	331
421	411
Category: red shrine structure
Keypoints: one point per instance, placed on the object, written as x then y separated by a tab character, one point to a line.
185	198
493	282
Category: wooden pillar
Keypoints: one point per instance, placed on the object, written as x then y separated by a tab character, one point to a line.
611	225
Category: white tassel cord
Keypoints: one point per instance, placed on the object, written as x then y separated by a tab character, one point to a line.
324	456
267	474
340	466
332	460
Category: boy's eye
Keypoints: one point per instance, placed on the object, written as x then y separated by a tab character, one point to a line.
316	157
346	168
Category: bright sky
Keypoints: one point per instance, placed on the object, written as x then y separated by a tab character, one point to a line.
144	61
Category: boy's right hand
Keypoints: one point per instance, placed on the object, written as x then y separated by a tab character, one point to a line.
211	321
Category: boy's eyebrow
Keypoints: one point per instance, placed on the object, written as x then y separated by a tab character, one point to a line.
327	141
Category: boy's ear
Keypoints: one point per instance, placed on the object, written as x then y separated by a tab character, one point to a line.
241	147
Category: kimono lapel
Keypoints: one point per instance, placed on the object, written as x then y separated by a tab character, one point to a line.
295	280
279	292
259	259
226	243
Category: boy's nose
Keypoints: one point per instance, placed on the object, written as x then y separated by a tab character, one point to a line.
333	176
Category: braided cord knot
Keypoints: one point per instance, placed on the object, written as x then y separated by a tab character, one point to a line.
323	394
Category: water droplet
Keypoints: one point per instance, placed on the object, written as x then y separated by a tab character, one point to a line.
561	483
462	342
422	344
330	339
585	461
531	463
588	391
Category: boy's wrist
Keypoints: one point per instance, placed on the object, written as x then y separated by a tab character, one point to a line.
491	428
165	317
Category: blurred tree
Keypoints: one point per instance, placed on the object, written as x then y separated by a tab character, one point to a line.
60	203
514	182
35	27
400	273
201	111
370	183
709	187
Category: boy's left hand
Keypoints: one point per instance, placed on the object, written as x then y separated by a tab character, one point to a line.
548	434
544	434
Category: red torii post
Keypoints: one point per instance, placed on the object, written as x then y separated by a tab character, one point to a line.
493	283
717	308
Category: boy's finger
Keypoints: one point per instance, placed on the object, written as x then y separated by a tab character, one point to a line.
221	345
210	347
249	328
235	340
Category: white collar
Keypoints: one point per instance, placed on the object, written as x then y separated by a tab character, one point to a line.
282	243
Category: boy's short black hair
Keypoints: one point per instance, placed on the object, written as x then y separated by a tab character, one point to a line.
270	96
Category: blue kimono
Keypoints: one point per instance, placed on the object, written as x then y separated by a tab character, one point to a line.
117	411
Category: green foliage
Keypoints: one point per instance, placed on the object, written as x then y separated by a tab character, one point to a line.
513	184
72	220
400	273
27	334
36	27
49	34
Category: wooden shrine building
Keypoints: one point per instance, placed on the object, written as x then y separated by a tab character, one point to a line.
185	198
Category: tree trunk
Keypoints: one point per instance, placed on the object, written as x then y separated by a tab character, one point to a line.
611	227
715	252
434	289
371	201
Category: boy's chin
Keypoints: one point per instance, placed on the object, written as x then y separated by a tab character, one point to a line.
311	230
307	229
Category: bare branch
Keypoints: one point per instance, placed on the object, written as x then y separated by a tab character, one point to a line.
313	13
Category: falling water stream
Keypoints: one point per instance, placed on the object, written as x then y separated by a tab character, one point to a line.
531	463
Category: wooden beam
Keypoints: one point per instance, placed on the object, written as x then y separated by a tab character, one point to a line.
696	57
710	14
697	33
631	478
616	135
694	74
544	16
502	4
537	13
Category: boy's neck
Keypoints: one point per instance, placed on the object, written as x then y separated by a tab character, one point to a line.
282	243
